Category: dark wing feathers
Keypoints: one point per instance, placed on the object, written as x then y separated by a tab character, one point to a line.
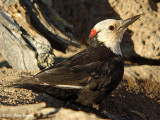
87	68
68	75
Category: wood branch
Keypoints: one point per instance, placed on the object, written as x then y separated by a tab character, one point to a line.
49	24
29	32
13	46
40	111
30	111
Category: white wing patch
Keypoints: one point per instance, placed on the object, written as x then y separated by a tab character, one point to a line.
70	86
44	84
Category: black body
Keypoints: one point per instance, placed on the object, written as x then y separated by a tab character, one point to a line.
96	68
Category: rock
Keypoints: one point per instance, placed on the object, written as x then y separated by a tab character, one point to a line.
143	78
143	72
146	35
67	114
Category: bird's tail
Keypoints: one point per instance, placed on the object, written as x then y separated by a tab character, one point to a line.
30	83
27	80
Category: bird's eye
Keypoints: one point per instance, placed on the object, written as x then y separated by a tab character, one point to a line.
111	27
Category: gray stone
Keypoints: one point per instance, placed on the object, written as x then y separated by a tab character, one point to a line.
143	72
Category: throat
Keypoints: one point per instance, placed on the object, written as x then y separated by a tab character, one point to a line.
112	43
114	48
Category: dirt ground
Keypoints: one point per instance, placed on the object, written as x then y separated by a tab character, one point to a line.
130	100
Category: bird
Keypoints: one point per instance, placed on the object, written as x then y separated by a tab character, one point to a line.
89	76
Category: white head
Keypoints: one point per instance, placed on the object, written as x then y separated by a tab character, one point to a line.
110	32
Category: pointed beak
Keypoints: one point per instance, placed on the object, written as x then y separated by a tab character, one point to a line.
127	22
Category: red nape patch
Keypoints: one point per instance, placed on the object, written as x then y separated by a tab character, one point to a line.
93	33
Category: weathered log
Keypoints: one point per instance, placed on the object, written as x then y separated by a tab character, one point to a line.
40	111
29	112
29	32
